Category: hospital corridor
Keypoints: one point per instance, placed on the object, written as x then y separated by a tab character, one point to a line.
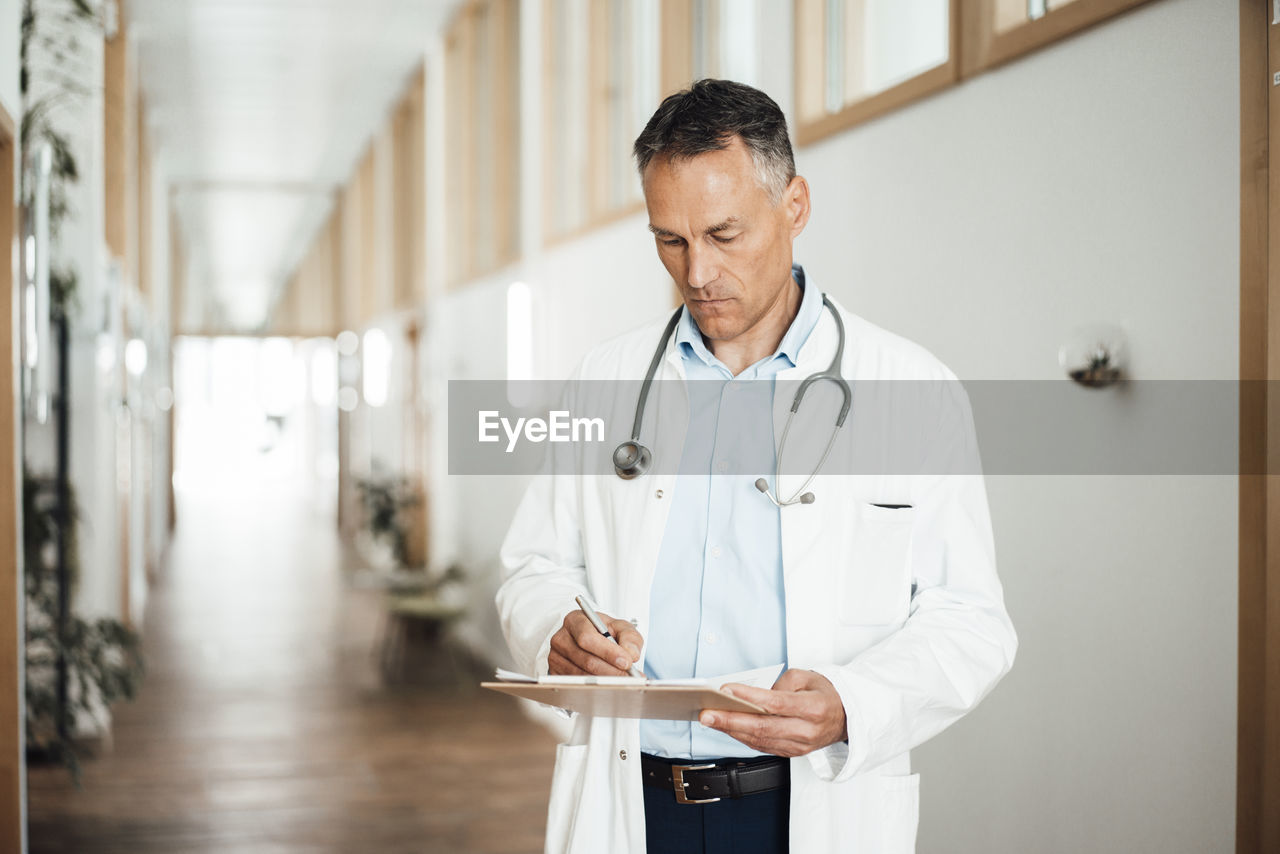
265	723
639	426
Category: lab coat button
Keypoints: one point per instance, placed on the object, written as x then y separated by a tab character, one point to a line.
622	754
658	494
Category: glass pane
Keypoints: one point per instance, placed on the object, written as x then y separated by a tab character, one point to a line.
482	207
618	108
887	42
567	109
706	39
839	81
644	22
903	38
740	57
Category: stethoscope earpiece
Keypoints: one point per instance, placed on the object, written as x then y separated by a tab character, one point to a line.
763	486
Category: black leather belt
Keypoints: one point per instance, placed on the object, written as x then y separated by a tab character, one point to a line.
708	781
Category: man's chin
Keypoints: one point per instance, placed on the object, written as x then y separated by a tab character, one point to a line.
719	314
718	329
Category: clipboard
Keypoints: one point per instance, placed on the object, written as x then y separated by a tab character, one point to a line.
628	699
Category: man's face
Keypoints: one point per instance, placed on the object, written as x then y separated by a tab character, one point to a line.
722	239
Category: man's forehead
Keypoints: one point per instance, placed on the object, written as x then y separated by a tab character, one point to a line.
710	227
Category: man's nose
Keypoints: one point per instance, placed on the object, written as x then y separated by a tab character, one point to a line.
702	268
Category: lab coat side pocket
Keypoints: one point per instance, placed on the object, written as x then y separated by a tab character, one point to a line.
900	813
875	586
566	792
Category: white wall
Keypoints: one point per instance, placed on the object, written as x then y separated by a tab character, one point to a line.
10	34
1093	181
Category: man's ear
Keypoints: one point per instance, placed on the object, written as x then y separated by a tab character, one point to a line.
795	198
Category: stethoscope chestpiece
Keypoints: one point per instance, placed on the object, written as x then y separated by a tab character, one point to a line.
631	459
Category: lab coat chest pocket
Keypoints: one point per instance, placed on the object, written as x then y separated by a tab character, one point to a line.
875	583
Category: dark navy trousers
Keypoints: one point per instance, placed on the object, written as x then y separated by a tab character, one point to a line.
755	824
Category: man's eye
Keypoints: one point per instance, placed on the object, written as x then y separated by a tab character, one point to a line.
720	239
676	242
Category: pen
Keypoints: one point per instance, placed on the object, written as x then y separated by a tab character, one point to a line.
590	611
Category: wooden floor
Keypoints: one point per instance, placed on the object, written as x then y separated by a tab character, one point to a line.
264	726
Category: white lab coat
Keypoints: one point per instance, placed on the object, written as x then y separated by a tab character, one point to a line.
905	666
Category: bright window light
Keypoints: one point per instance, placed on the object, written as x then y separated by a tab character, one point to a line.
31	257
377	366
324	374
135	356
519	343
347	399
106	356
278	386
347	342
519	332
32	335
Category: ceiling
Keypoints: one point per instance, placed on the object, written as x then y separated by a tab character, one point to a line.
259	110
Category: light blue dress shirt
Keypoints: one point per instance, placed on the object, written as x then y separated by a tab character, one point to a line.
717	601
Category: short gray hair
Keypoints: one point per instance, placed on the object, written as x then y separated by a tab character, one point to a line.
707	116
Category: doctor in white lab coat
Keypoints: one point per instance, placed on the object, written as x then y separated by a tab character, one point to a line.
894	619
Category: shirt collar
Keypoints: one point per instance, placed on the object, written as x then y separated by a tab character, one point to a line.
689	337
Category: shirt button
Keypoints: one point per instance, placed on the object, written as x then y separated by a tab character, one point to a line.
712	637
622	754
717	551
723	465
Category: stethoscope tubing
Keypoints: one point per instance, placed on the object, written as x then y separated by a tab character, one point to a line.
632	458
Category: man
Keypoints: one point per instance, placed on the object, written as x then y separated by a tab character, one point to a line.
880	597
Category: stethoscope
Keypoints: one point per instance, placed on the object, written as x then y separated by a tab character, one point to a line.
632	458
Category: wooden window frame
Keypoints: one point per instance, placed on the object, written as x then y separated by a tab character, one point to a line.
675	45
810	77
409	194
600	149
983	46
12	761
1258	683
500	122
977	45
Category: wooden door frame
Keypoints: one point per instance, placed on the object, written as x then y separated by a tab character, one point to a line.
1258	724
12	749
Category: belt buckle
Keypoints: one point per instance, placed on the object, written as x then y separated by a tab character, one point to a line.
677	782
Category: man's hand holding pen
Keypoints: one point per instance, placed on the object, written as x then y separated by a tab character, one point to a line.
579	649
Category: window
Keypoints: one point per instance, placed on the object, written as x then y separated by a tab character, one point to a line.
997	31
409	192
482	94
856	59
709	38
601	85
